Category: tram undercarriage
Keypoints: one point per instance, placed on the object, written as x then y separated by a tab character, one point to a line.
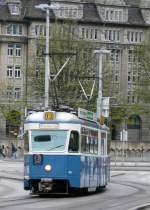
49	186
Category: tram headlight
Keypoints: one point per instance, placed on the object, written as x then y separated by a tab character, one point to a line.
48	168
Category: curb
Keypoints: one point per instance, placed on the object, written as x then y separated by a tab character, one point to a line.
119	174
12	178
142	207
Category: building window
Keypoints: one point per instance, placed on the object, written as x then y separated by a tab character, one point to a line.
17	72
135	37
113	15
20	29
116	65
18	50
68	12
10	71
10	51
83	33
132	99
17	93
9	93
112	35
89	33
40	30
115	56
14	29
14	72
14	9
14	50
133	75
95	34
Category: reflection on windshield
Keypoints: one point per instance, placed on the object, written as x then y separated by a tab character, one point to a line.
48	140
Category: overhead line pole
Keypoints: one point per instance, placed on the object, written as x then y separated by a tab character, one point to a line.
46	8
100	53
47	64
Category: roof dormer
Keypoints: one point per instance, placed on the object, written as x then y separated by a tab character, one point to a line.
145	9
14	6
112	10
69	10
111	2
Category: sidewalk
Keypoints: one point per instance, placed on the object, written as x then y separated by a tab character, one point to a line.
131	164
128	166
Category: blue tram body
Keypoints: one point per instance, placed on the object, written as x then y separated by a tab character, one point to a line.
64	153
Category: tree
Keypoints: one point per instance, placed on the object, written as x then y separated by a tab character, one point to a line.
144	74
11	109
82	66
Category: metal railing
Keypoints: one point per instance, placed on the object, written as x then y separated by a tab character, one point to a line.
130	151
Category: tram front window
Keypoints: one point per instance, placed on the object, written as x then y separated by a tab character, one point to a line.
48	141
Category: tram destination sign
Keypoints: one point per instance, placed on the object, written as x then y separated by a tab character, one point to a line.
49	115
87	115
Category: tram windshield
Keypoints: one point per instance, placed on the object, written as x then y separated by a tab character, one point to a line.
48	141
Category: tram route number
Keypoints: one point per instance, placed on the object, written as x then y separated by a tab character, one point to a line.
49	115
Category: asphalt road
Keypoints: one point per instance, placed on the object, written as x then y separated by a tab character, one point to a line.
126	191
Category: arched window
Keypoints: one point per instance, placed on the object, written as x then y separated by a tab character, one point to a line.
134	122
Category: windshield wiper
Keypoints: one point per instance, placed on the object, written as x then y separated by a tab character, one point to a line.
56	147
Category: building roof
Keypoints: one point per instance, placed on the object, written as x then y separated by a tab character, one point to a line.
90	10
145	4
135	16
33	13
133	3
5	14
90	13
111	2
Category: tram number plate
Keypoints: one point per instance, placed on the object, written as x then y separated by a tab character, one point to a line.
49	115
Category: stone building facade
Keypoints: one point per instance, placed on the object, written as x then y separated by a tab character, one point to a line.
118	25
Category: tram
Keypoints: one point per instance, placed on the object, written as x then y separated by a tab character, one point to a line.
65	152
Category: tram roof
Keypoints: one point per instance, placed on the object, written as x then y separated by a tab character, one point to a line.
61	117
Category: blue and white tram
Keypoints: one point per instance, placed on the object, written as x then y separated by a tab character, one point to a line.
64	153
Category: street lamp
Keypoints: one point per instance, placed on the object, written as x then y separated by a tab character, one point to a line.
46	8
100	53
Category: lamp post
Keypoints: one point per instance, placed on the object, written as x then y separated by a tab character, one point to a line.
100	53
46	8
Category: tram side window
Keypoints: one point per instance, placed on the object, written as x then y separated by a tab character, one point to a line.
26	142
103	144
83	143
95	146
74	142
89	144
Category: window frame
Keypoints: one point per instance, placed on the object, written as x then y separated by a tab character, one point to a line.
10	70
14	9
14	29
17	72
17	93
89	138
10	50
77	137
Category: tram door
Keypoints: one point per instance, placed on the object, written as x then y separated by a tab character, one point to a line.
103	147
